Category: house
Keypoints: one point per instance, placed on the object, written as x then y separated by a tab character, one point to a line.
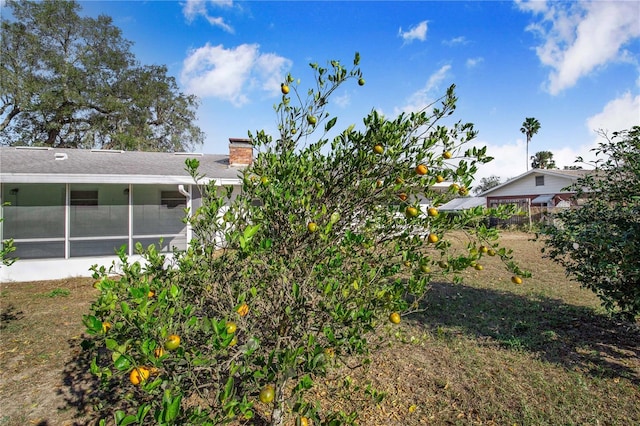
536	192
68	209
464	203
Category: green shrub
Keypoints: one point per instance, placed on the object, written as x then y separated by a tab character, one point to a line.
599	243
294	274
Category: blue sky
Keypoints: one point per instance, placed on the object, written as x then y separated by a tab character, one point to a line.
575	66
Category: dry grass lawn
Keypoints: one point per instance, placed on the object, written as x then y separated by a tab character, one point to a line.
486	352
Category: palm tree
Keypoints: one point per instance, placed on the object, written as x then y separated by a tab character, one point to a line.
543	160
530	127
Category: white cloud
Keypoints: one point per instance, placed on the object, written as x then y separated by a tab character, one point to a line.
231	74
194	8
619	114
580	37
425	96
419	32
508	162
343	100
473	62
461	40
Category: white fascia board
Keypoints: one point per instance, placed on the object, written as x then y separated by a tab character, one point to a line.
110	179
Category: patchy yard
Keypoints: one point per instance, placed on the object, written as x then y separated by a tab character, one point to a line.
485	352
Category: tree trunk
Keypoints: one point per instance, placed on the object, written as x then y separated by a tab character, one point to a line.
15	111
277	417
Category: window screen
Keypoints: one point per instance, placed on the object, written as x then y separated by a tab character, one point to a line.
84	198
172	199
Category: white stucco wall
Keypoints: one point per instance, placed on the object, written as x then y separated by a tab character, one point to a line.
54	269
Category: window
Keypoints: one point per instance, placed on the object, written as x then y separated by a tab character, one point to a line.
539	180
172	199
84	198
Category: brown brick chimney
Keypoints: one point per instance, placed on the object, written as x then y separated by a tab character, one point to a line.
240	152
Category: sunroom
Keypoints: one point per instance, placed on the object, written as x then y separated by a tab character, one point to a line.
62	221
68	209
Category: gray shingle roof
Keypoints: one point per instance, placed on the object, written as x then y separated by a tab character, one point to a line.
80	165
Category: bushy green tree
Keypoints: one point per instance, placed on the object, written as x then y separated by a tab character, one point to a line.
599	242
486	183
325	245
543	160
70	81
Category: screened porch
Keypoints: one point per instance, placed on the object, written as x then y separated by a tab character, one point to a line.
64	221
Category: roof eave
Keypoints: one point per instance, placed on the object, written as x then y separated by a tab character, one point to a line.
111	179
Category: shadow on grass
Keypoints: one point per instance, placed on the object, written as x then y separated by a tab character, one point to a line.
8	315
575	337
91	402
82	390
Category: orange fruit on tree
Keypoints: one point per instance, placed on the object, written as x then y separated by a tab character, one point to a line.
454	187
425	269
139	375
516	279
312	227
284	89
378	149
361	82
311	120
150	294
158	352
243	309
432	211
231	327
172	343
447	155
106	326
411	211
267	394
233	341
463	191
484	249
439	178
479	267
433	238
304	421
402	196
491	252
422	170
395	318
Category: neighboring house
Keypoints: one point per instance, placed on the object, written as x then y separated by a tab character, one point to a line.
465	203
69	209
538	189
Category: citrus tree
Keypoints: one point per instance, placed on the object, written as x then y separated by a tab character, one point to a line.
599	242
329	240
6	248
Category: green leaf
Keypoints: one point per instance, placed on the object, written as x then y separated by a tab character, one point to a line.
93	324
122	363
171	406
329	125
250	231
175	291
